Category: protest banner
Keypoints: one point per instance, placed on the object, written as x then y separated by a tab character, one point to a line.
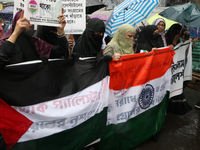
68	104
181	68
43	12
74	13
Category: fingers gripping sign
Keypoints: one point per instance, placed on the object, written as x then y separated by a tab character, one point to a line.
22	23
63	23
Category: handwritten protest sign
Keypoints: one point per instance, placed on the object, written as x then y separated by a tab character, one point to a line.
43	12
74	13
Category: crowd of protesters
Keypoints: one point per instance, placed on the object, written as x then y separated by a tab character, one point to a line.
20	44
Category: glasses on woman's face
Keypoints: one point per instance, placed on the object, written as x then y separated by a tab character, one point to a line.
162	25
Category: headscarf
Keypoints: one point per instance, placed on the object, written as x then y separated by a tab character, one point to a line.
123	43
147	40
1	32
10	31
187	35
89	43
25	47
44	33
156	22
172	32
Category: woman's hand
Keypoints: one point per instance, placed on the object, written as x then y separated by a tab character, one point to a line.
171	46
154	49
22	23
116	56
62	20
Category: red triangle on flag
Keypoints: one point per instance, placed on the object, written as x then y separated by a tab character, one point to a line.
12	124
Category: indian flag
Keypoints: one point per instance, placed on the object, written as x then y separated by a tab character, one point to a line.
68	104
137	107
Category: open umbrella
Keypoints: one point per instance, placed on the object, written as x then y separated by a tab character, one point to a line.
187	14
129	11
168	22
100	16
93	5
7	13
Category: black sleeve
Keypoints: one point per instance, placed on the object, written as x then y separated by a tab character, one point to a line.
61	49
6	51
2	143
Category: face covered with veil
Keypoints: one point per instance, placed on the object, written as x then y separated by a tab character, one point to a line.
90	42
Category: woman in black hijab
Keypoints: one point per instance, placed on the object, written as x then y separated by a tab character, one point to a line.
60	44
149	39
173	34
89	43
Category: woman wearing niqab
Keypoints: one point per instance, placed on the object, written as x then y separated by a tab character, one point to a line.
16	45
60	44
149	38
173	34
122	42
90	42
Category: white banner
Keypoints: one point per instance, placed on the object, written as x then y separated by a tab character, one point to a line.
181	68
65	113
74	13
128	103
43	12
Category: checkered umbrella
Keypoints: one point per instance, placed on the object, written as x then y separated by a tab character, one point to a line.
130	11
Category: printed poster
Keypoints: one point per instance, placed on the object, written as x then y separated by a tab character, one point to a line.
43	12
74	13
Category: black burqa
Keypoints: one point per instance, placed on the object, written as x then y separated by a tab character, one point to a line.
147	40
89	44
172	32
60	45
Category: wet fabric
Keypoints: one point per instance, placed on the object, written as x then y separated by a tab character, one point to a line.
24	48
1	31
89	44
124	44
9	32
60	45
172	32
147	40
44	33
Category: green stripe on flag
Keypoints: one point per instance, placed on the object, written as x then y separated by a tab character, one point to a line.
127	135
72	139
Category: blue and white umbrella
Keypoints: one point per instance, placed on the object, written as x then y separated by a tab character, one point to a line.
7	13
131	12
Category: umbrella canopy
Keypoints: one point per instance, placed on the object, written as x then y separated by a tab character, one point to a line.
7	13
93	5
131	12
100	16
168	22
187	14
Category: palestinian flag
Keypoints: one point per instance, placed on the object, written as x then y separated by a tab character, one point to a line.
61	104
68	104
137	109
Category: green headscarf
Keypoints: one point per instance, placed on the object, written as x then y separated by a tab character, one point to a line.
124	44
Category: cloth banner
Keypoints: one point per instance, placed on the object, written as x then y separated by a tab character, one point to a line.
181	68
68	104
139	86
